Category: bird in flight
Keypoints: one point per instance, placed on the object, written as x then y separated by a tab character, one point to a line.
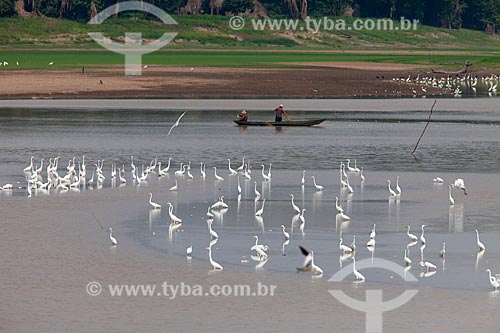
176	124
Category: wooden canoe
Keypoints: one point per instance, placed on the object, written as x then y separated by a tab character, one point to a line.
308	122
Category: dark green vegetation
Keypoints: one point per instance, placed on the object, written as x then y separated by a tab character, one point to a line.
78	58
471	14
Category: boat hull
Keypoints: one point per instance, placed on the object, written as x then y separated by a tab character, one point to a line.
311	122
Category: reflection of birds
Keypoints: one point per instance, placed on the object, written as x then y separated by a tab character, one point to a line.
309	265
407	260
176	123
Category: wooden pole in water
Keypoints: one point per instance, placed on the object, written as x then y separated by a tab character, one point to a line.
425	128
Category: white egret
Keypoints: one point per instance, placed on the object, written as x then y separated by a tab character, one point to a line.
239	186
398	189
459	182
189	250
301	217
344	248
358	276
422	238
494	280
113	240
391	191
295	208
209	214
373	233
261	210
303	180
438	180
242	166
442	253
337	206
412	237
173	217
202	170
257	193
264	176
215	265
362	176
318	187
217	177
154	205
231	170
174	187
175	124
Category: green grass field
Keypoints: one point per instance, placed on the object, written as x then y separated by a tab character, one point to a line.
205	41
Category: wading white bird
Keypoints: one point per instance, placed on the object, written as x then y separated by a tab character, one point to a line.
242	166
264	176
301	217
215	265
113	240
450	197
478	242
371	243
318	187
212	232
285	233
429	266
438	180
494	280
202	170
391	191
358	276
154	205
309	265
362	176
189	250
407	260
303	180
412	237
257	193
217	177
295	208
398	189
239	186
175	124
173	217
261	210
422	238
231	170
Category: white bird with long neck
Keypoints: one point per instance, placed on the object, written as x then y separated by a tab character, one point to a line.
494	280
242	166
459	182
450	197
113	240
349	168
362	176
301	216
182	169
231	170
442	253
212	232
318	187
411	237
357	275
391	191
264	176
217	177
348	185
261	210
422	238
398	189
356	169
29	168
303	180
209	213
257	193
216	266
167	169
295	208
173	217
269	171
239	186
154	205
202	170
479	244
373	233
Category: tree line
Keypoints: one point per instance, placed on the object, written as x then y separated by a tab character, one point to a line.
453	14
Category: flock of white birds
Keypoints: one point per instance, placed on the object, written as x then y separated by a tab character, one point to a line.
454	84
76	177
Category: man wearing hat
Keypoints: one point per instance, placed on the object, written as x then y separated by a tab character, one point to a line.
279	113
243	115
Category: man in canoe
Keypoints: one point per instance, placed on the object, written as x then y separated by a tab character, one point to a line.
243	116
280	110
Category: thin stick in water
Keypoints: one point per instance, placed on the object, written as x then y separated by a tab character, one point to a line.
425	128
